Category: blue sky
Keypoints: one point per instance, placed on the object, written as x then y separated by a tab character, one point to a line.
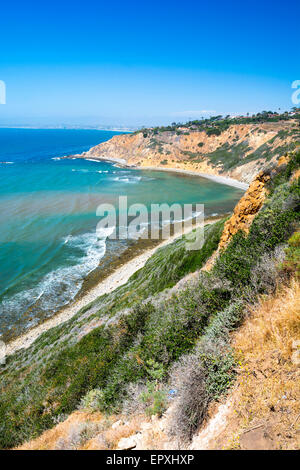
138	63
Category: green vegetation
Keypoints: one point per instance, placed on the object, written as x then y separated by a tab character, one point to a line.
50	378
283	173
249	266
150	335
270	228
154	396
291	264
229	156
234	152
215	125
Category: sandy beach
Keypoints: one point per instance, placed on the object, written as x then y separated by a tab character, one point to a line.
119	275
216	178
117	278
121	162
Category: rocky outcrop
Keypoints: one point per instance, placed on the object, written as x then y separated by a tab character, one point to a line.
249	205
246	209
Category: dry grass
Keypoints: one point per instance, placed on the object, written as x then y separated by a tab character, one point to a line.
267	391
84	430
113	436
49	439
273	324
265	397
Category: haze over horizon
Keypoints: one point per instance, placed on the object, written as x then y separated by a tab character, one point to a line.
134	64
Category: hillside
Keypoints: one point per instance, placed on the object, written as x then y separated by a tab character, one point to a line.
260	412
165	337
234	148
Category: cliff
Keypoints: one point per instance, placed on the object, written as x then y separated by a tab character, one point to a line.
248	350
246	209
182	358
239	152
156	358
260	413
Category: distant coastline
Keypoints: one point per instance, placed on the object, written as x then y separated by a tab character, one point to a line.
77	128
75	259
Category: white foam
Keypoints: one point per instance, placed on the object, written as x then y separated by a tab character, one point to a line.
61	285
67	239
129	179
85	170
105	232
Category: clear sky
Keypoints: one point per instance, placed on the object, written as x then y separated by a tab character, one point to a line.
137	62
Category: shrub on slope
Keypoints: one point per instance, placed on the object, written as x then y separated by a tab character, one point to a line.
49	379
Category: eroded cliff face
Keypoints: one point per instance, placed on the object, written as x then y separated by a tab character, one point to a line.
246	209
249	205
240	152
243	419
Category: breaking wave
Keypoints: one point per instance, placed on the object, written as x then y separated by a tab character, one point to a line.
60	286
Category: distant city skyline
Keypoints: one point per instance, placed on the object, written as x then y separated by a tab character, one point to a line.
69	64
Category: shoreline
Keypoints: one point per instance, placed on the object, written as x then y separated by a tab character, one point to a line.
226	180
216	178
118	277
120	269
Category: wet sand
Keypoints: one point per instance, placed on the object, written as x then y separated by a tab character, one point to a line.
216	178
116	274
122	163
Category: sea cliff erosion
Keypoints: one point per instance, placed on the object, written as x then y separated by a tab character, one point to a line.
44	270
218	147
149	229
159	348
162	361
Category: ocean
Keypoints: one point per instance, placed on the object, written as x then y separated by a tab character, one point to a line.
48	239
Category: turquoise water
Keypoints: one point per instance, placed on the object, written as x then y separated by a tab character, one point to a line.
48	215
